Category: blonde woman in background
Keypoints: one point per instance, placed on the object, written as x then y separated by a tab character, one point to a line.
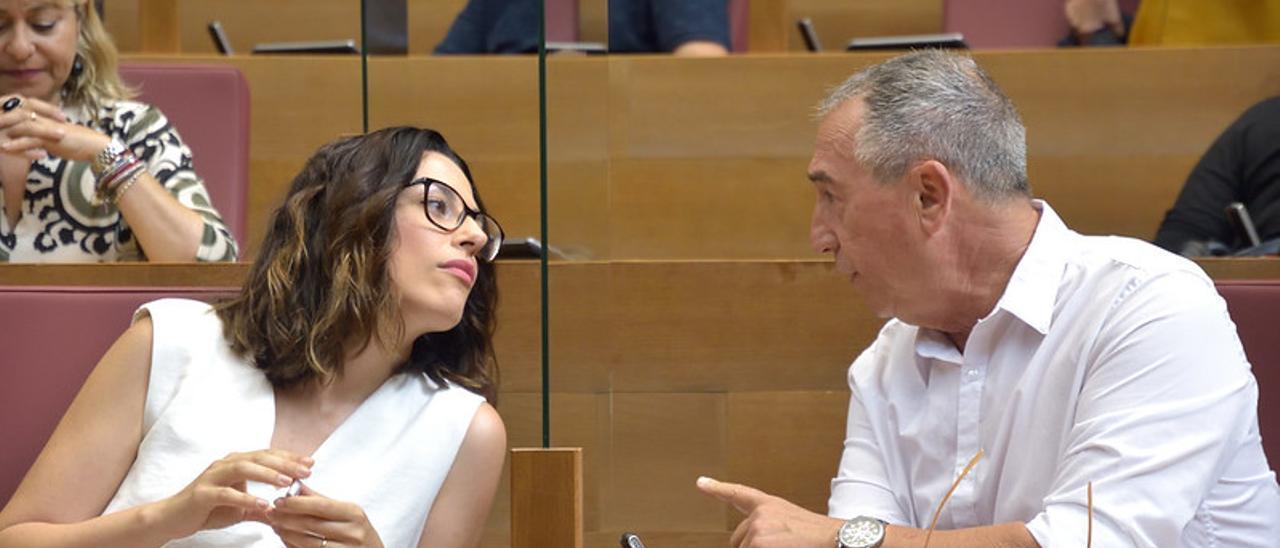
87	173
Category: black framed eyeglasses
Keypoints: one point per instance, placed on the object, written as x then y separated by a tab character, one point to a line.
445	208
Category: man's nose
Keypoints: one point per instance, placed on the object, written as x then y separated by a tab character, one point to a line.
820	238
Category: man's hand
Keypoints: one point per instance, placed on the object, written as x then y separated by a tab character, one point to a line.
1090	16
771	521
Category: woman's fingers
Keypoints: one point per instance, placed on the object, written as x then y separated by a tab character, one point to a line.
14	118
228	496
22	145
28	148
307	524
320	507
26	109
232	472
284	462
297	539
40	129
44	109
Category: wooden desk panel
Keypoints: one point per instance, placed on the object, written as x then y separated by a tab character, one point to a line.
1111	137
653	157
738	364
250	22
771	24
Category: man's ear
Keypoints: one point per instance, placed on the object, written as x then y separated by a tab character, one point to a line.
935	188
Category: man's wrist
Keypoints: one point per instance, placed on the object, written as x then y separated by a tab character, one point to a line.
861	532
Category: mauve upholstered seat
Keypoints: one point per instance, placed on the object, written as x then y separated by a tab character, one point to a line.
53	338
1255	308
209	105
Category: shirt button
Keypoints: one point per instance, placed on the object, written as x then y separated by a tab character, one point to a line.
972	373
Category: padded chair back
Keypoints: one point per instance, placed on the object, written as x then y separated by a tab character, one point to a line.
562	20
1253	305
54	337
209	105
739	14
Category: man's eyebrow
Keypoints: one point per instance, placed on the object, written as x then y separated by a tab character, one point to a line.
819	176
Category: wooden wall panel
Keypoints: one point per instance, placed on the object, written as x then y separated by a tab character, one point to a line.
772	23
1111	137
593	21
661	442
488	110
787	443
121	19
250	22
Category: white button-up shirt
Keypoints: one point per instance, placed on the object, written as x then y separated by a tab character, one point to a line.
1107	361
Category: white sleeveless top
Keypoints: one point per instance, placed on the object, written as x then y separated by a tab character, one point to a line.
390	456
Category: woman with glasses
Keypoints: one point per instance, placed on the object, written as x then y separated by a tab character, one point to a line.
339	400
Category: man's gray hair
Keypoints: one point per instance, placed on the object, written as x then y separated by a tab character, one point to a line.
934	105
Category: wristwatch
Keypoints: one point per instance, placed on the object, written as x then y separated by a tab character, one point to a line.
861	532
108	158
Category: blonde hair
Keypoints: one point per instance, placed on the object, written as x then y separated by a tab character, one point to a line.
99	79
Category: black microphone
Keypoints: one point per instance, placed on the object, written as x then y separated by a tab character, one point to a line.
1243	224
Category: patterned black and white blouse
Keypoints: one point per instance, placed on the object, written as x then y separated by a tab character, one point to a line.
59	222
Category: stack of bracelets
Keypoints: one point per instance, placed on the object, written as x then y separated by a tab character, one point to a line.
116	169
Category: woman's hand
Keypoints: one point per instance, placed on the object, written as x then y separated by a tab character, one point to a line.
218	497
36	127
311	520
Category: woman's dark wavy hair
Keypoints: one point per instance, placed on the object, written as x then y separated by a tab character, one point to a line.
321	282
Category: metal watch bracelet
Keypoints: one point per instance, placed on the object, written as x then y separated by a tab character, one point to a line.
109	159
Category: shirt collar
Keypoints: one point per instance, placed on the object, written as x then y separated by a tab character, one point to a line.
1033	288
1031	291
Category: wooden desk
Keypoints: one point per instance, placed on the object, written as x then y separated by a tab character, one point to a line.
662	371
770	23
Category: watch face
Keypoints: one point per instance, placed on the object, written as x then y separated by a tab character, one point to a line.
861	532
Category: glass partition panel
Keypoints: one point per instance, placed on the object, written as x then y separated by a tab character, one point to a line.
682	299
487	108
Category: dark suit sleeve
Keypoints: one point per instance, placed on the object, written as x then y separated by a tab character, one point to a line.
493	26
681	21
1242	165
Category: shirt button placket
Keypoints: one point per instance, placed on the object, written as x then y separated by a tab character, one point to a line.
967	443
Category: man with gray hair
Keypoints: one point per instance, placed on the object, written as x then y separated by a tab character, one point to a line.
1088	389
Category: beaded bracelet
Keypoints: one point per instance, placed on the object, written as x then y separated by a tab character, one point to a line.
125	166
129	179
